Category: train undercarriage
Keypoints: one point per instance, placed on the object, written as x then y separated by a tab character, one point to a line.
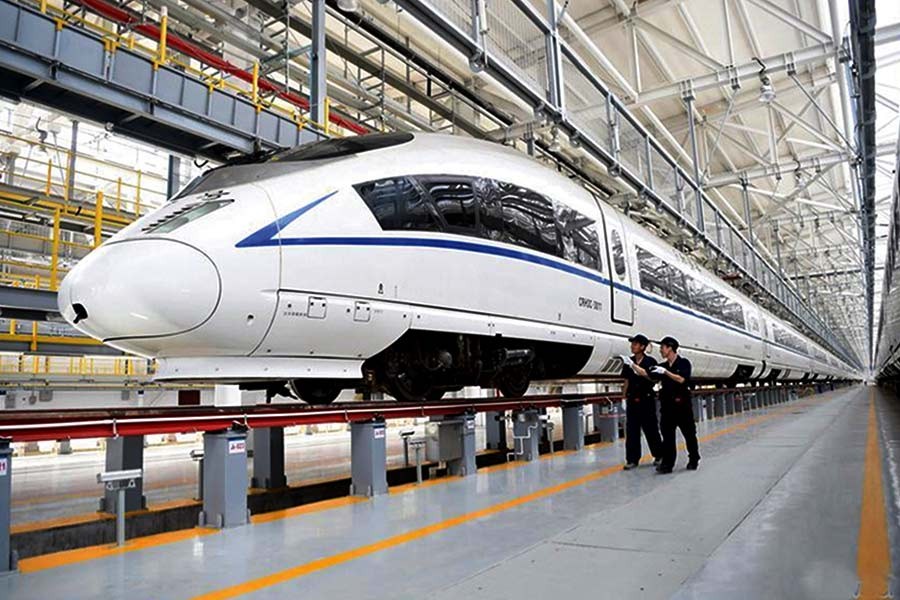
423	366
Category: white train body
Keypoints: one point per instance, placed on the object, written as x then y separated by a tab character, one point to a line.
280	271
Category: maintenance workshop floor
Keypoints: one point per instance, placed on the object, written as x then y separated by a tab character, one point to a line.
794	501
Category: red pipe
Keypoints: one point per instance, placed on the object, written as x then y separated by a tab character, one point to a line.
152	31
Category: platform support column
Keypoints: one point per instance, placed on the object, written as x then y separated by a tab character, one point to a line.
7	560
465	464
719	405
268	458
526	434
739	402
696	405
606	421
368	456
729	403
709	406
124	453
573	426
224	479
495	430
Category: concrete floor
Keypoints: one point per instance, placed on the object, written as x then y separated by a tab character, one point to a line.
773	512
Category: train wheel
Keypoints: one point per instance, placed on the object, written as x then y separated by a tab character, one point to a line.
409	387
315	391
513	383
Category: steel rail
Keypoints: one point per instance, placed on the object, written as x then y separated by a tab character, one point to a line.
30	426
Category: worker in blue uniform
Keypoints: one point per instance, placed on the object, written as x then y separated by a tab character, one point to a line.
640	403
675	406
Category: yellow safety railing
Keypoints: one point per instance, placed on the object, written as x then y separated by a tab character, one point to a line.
82	366
158	53
130	194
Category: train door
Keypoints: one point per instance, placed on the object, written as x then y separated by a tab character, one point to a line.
622	298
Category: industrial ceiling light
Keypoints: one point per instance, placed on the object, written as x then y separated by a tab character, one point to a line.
554	142
766	91
348	5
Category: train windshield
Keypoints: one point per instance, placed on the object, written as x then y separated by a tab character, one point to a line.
248	169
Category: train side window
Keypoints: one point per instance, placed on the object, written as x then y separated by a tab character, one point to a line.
651	272
578	237
454	199
528	219
618	254
490	212
734	314
397	204
677	289
700	295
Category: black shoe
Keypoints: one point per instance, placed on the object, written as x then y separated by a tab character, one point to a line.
663	470
629	466
657	462
693	465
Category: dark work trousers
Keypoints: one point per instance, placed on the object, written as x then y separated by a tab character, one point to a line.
641	415
681	415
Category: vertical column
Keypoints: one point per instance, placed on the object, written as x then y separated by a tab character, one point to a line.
719	400
368	455
709	403
739	402
526	434
268	458
608	424
495	430
70	166
464	429
6	558
173	182
573	426
729	403
224	479
123	454
697	407
317	79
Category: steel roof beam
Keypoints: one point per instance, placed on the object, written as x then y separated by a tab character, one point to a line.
727	76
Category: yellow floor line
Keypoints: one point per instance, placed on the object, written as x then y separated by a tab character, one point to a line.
69	557
306	509
873	556
409	536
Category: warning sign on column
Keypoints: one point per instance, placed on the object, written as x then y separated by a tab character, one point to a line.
4	466
237	446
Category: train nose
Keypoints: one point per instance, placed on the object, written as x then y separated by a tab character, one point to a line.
140	288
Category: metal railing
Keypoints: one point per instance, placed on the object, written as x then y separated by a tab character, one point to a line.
82	366
525	53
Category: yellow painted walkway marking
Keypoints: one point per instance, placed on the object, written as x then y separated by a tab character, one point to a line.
306	509
326	562
68	557
873	557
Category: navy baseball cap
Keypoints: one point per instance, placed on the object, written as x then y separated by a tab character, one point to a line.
640	339
670	342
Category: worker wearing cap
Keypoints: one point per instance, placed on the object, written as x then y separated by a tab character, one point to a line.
675	406
640	403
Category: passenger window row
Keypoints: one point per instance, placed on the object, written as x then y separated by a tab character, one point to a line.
484	208
661	278
789	339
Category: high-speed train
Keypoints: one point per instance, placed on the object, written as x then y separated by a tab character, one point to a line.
411	264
